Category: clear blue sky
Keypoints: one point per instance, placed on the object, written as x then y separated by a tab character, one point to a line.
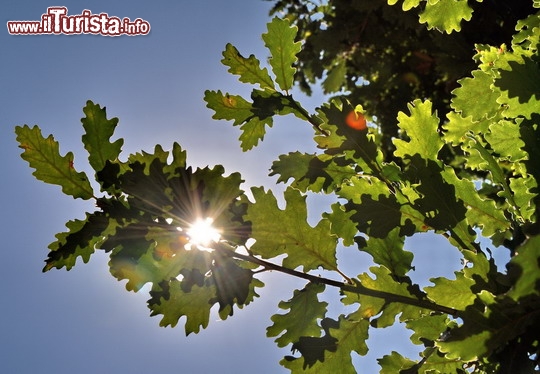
83	321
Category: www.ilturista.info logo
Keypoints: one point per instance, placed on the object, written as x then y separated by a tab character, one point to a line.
56	21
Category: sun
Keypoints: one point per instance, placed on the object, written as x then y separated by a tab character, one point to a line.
202	233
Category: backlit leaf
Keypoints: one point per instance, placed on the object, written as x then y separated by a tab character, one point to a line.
526	266
228	107
454	293
341	223
394	363
458	127
331	354
524	190
446	15
317	173
421	128
409	4
305	309
278	232
283	49
386	281
43	155
235	285
248	69
336	77
504	138
427	327
251	117
172	302
96	140
376	210
466	100
520	88
480	211
79	241
389	252
296	165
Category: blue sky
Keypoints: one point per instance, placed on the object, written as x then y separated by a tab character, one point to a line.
83	321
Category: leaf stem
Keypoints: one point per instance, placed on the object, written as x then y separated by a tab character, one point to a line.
294	104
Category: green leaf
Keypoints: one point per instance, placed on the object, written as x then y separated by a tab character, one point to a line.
159	154
439	203
386	282
359	146
389	253
336	77
504	138
455	293
421	128
331	354
286	232
128	247
438	362
248	69
480	212
252	117
170	300
283	49
377	211
311	172
146	190
427	327
296	165
315	353
253	131
528	29
394	363
520	88
79	241
156	257
491	325
409	4
525	266
234	284
431	327
520	202
466	97
341	223
98	130
468	346
524	196
458	128
352	335
218	192
207	278
446	15
170	166
43	155
228	107
305	309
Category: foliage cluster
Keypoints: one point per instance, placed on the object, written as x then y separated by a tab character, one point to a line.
382	53
483	320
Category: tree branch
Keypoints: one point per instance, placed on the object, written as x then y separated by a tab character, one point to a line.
356	288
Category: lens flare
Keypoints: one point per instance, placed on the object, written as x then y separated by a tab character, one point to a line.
202	233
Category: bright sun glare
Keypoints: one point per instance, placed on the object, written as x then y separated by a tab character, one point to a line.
202	233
